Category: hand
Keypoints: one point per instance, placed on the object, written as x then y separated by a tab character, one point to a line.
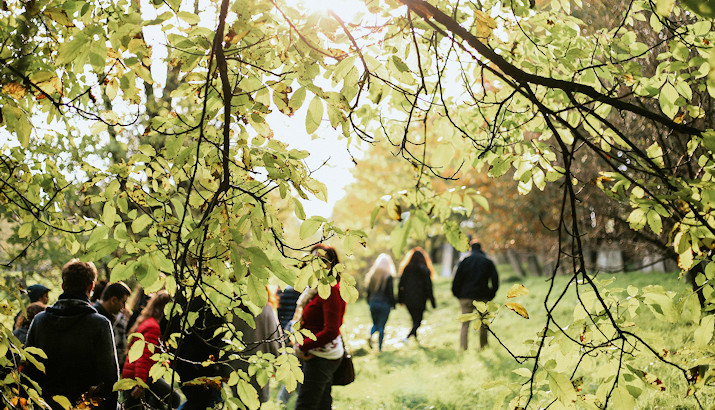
137	392
302	356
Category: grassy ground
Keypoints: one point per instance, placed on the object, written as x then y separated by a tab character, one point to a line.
435	374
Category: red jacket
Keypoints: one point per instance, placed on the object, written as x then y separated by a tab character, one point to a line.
323	317
140	368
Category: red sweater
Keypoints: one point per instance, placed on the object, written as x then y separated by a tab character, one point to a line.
140	368
323	317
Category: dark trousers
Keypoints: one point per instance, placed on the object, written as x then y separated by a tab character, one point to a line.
315	393
416	313
379	311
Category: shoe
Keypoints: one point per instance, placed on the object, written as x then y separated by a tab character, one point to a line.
369	341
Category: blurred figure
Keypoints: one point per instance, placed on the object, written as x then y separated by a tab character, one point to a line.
81	361
36	293
287	300
380	295
148	325
415	287
476	280
98	290
32	310
322	356
265	338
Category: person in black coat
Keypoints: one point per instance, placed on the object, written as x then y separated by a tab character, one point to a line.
81	362
415	286
476	280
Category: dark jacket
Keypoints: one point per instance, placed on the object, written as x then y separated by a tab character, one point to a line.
384	294
476	278
415	287
287	300
79	345
102	311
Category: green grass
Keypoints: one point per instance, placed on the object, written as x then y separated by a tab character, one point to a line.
434	374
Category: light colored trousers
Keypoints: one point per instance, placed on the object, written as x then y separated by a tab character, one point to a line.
467	306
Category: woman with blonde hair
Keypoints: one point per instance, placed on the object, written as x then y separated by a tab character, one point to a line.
148	325
415	286
380	295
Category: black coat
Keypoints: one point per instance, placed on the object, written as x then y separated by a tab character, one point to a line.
476	278
79	345
415	287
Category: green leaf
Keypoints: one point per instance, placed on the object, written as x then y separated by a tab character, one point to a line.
257	290
704	333
664	7
108	214
140	223
654	222
310	226
136	350
314	116
399	64
69	50
298	209
667	97
247	394
562	386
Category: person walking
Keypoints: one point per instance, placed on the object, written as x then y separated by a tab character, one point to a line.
476	279
415	286
380	295
320	357
81	361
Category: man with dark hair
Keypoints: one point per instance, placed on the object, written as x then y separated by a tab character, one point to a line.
81	362
112	301
476	280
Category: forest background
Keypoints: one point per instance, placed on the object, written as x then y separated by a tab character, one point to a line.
549	128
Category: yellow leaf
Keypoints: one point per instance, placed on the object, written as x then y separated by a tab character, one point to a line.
520	310
485	24
14	90
62	401
685	259
517	290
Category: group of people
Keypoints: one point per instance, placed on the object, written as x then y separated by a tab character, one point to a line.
475	279
86	343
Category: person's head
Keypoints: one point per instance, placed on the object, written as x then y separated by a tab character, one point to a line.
155	308
326	253
79	277
32	310
38	293
476	246
417	256
115	296
98	289
379	271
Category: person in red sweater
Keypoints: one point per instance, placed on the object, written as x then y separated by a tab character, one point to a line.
148	325
322	356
